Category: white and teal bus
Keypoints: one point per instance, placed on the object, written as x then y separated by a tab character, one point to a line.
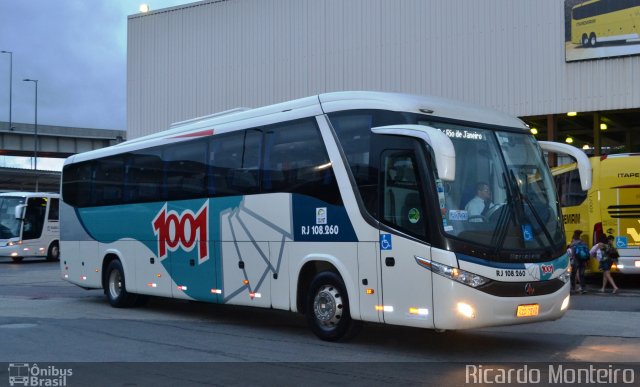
345	206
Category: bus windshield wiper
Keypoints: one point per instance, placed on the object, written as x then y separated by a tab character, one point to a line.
536	215
503	222
522	198
502	227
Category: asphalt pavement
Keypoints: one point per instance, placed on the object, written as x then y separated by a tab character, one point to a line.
46	320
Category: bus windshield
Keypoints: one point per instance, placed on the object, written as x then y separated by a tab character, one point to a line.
9	225
502	195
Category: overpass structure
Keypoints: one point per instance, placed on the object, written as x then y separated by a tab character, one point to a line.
53	141
24	180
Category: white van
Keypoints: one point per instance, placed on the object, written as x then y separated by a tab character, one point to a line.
29	225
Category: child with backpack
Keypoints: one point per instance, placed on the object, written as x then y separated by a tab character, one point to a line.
579	258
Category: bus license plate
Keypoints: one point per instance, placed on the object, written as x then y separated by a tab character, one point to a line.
528	310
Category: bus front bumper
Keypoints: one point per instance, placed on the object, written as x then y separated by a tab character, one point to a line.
11	251
22	250
628	264
457	306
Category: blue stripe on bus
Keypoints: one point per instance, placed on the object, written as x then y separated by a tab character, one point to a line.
486	262
317	221
108	224
561	261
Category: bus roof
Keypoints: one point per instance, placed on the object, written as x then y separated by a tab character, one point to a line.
585	3
594	160
434	106
241	118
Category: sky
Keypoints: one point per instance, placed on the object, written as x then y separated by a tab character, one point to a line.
77	50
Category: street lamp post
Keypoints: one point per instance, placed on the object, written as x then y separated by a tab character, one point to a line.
10	82
35	136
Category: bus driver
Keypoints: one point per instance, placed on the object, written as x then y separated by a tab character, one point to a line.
478	207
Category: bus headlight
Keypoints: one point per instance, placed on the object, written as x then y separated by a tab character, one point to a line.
565	277
453	273
466	310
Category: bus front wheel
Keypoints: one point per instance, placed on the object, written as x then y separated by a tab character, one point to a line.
327	308
116	289
17	259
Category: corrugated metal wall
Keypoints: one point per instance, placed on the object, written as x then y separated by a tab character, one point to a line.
210	56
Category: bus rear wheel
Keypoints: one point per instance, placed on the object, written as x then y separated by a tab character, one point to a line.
54	252
585	40
17	259
116	289
327	308
593	40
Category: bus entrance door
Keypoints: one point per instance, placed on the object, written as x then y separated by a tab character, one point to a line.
406	286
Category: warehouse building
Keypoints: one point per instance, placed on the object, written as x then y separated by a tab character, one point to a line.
518	57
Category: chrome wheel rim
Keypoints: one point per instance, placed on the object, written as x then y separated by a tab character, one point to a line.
327	306
115	284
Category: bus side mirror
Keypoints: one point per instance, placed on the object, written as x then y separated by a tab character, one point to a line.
20	211
440	143
584	166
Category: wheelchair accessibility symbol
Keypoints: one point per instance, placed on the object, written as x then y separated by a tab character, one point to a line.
385	241
527	232
622	242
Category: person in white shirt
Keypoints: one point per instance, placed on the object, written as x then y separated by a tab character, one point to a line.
480	204
601	251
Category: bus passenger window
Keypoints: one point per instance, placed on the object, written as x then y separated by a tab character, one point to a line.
109	181
296	161
54	209
76	184
247	179
144	177
186	170
225	156
234	163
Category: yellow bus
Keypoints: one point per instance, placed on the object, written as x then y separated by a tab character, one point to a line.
598	21
611	206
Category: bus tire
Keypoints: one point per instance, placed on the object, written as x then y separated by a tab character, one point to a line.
327	308
585	40
116	289
17	259
54	252
593	40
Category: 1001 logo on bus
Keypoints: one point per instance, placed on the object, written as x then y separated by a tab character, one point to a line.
185	230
